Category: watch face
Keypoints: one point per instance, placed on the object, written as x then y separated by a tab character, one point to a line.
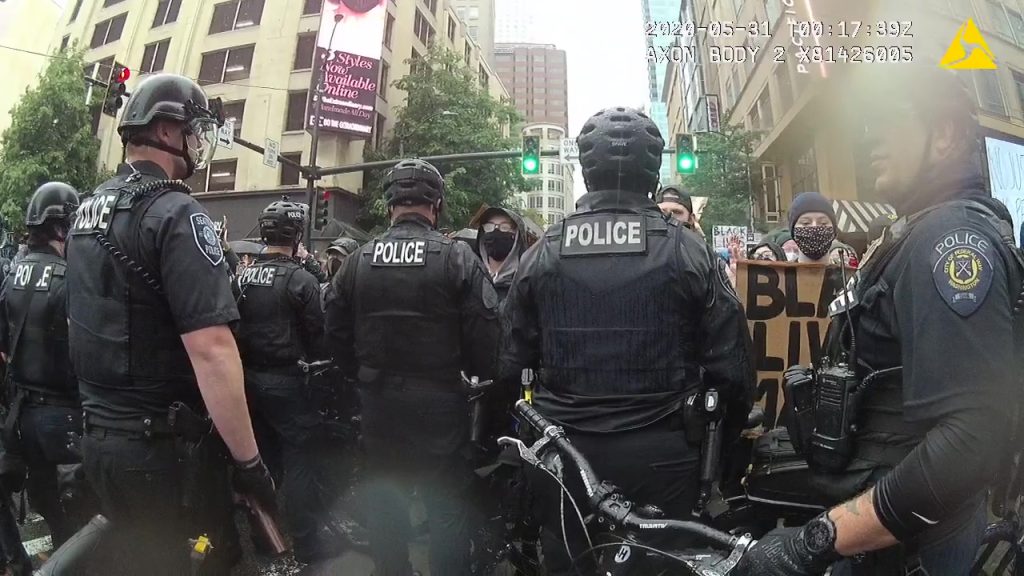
820	535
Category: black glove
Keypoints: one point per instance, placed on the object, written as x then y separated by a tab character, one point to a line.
787	552
252	479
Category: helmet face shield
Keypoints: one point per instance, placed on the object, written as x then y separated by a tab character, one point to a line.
203	143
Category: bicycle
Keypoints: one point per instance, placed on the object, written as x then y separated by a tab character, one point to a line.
628	527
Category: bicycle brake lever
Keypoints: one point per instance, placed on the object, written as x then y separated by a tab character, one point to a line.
526	454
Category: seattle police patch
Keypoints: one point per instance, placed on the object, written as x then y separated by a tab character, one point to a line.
962	269
205	234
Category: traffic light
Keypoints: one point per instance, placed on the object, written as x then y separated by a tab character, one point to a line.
531	154
686	156
323	210
113	100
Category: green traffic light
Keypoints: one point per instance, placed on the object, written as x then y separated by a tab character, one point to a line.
685	163
529	165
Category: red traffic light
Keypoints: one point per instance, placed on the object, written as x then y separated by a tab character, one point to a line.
123	75
327	195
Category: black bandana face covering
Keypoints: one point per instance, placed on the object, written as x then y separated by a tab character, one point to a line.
814	241
499	244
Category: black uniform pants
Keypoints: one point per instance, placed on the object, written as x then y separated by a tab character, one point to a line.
140	483
413	438
287	420
654	465
45	431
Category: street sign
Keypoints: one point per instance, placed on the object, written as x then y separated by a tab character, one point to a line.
226	134
569	151
271	148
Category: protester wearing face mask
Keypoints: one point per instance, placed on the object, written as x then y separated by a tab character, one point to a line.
501	241
812	223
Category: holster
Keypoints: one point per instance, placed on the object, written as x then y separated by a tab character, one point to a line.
695	419
200	450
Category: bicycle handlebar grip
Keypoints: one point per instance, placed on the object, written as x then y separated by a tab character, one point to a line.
534	418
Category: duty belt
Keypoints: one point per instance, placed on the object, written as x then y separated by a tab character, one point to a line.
144	426
49	399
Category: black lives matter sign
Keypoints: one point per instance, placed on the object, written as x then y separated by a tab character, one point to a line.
786	306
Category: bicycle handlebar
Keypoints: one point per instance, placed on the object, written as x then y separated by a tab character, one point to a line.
612	506
308	367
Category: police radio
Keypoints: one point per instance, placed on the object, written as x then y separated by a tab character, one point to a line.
835	408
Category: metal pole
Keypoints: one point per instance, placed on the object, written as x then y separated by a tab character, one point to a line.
314	171
287	161
468	156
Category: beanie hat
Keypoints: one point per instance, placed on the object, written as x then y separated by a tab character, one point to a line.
673	194
810	202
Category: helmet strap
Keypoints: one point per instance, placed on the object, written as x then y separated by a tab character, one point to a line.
190	166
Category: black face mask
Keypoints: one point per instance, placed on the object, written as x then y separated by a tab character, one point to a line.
499	244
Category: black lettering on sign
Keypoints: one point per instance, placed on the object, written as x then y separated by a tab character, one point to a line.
258	276
22	275
764	298
794	307
94	214
762	361
399	253
604	234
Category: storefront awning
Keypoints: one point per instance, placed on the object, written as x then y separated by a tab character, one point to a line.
854	216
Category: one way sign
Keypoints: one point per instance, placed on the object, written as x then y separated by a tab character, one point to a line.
569	151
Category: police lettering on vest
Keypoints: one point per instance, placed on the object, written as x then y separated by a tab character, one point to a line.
23	277
399	253
604	234
94	214
258	276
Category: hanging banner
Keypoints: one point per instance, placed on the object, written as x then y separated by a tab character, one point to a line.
786	306
350	40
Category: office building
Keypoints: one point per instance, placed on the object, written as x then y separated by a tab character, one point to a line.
258	56
806	142
551	192
655	12
520	21
479	17
535	77
29	26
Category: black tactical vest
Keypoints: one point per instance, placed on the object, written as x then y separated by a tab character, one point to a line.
38	334
268	333
612	319
407	320
125	349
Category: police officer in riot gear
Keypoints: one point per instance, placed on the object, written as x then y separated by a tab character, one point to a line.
282	322
34	341
622	309
929	352
149	314
406	314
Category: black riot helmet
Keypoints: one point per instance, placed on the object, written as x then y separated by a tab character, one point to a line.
178	99
282	222
414	182
620	149
53	201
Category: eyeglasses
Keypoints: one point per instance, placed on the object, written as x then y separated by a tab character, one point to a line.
504	227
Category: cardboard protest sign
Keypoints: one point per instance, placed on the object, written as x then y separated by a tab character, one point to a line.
787	310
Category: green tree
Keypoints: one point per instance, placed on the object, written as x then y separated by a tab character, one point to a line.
448	112
536	216
50	137
722	175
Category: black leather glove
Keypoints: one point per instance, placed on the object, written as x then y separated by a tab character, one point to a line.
252	479
788	552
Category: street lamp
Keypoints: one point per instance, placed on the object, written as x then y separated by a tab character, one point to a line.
401	144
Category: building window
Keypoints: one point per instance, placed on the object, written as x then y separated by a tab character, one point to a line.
296	115
64	42
198	180
378	133
990	97
998	19
551	201
111	2
414	60
550	167
108	31
382	86
451	29
764	102
473	13
75	10
166	12
483	76
422	28
236	15
305	48
389	27
805	177
469	51
432	6
784	87
290	174
155	56
235	111
312	7
226	65
222	175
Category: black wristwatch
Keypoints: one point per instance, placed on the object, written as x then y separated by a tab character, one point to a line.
820	537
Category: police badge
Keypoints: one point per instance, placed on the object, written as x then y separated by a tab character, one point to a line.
205	234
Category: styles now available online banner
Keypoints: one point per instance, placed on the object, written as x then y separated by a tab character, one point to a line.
351	39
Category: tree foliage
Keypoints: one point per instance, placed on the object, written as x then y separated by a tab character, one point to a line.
723	161
440	82
50	137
